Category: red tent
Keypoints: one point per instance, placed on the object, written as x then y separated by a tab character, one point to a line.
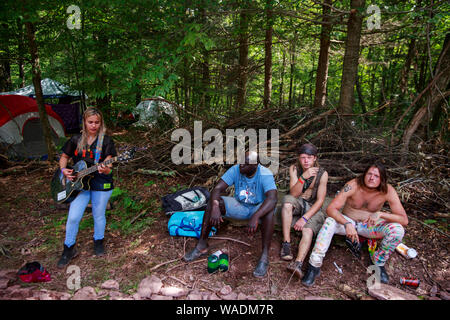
20	127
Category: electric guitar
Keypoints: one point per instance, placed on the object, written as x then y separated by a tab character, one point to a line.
65	191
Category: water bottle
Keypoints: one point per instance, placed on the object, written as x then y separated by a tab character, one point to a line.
223	262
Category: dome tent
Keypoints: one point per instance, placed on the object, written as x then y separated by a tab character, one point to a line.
68	106
50	89
20	126
150	111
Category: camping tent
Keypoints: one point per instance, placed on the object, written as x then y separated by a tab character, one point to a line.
50	89
66	108
20	126
152	110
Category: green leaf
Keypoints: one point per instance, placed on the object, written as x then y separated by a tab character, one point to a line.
429	221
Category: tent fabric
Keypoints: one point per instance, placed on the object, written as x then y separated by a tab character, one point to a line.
50	89
20	126
149	110
70	115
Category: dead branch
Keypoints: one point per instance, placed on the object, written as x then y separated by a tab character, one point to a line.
230	239
163	264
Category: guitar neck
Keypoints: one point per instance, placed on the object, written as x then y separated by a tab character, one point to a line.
94	168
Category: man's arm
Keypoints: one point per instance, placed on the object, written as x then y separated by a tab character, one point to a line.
333	209
398	212
266	207
297	189
216	217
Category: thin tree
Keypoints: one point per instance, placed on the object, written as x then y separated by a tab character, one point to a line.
350	66
243	60
36	69
268	55
322	66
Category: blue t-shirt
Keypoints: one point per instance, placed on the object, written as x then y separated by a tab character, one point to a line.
250	190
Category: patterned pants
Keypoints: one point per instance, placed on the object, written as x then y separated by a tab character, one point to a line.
390	233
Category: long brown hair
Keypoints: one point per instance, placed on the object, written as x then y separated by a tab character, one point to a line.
383	176
91	111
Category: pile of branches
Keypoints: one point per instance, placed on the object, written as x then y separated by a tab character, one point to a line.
345	149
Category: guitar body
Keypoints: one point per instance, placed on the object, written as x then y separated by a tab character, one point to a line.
65	191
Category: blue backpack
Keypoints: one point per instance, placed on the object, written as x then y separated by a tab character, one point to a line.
187	224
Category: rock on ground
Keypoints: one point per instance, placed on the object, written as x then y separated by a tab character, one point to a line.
85	293
148	286
387	292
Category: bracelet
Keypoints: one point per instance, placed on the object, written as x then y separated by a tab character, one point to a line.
346	223
305	218
62	171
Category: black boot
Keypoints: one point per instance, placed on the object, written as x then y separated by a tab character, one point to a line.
68	254
99	249
384	278
311	274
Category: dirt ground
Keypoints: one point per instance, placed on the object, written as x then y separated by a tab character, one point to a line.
32	228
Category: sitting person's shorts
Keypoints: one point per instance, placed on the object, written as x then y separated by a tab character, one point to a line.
301	206
238	210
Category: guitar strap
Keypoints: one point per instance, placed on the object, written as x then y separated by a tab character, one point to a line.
98	149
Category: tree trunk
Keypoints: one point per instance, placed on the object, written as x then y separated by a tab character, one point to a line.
243	61
102	102
21	52
436	93
350	66
38	90
360	96
291	81
404	76
206	82
283	70
268	55
322	66
5	56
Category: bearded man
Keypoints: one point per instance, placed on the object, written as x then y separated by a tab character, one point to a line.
361	200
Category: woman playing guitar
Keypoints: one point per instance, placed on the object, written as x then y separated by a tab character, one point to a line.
92	146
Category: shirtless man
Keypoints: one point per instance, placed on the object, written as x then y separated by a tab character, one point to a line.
302	206
362	199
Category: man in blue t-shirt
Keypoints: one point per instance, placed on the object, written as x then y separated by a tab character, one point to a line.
254	199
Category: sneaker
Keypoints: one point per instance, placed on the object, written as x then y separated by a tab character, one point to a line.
99	249
286	251
68	254
296	268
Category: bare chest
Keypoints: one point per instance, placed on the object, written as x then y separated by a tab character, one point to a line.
367	202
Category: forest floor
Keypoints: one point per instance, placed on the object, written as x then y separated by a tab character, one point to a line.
32	228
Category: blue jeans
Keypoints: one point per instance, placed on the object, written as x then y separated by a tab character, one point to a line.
99	200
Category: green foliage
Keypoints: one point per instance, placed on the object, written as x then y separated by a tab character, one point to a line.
188	52
127	207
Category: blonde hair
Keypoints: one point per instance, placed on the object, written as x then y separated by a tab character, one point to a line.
91	111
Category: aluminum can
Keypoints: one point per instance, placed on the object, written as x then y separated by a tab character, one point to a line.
405	251
213	261
412	282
